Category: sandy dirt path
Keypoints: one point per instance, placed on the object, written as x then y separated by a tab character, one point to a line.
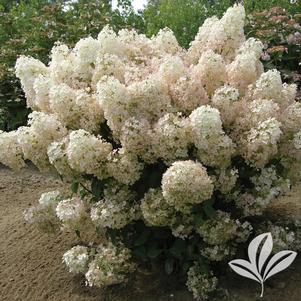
31	268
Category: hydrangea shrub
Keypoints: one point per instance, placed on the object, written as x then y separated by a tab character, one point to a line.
173	154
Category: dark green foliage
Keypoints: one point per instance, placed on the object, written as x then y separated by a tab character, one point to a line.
158	245
74	187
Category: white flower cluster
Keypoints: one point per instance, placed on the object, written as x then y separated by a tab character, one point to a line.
223	229
87	154
116	209
223	36
34	139
58	158
10	150
143	89
110	266
267	186
199	283
297	140
160	130
186	183
225	180
76	259
218	252
124	167
155	210
54	213
71	212
283	237
102	265
43	214
214	148
221	243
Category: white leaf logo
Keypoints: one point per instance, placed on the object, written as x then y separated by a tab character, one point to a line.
258	268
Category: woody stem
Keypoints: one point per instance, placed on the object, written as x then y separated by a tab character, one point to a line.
262	289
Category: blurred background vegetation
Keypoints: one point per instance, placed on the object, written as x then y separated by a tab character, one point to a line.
31	27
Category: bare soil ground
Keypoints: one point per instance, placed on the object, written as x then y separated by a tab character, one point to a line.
31	268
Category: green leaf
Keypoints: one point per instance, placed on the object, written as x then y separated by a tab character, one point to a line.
208	209
186	266
153	253
169	265
159	233
111	234
143	237
74	187
140	252
204	268
191	252
178	248
97	188
198	219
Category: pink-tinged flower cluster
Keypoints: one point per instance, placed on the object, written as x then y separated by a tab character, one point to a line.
157	133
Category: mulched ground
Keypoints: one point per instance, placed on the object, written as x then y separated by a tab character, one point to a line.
31	268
